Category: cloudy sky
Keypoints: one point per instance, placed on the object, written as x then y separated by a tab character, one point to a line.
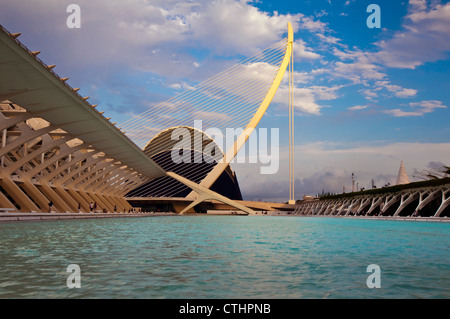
365	99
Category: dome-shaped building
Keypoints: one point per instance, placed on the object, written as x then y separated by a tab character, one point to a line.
194	166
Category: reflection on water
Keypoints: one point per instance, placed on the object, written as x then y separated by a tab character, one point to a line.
224	257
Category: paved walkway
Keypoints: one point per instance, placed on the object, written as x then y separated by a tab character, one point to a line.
421	219
13	217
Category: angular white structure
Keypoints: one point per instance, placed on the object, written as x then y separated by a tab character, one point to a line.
402	177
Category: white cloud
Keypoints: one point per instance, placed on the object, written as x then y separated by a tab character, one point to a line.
325	92
368	161
358	71
305	98
301	52
329	166
310	24
396	89
181	86
321	13
358	107
417	5
237	26
404	93
428	106
348	55
401	113
320	71
417	109
154	36
425	37
328	38
369	94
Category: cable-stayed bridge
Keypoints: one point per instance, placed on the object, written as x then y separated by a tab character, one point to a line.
59	153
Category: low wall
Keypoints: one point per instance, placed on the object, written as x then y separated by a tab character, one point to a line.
14	217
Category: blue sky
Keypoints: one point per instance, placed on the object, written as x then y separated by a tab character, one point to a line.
365	98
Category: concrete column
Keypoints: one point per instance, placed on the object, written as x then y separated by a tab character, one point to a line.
26	204
5	202
405	200
60	204
79	199
430	194
445	202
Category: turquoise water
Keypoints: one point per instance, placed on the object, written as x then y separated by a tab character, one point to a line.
225	257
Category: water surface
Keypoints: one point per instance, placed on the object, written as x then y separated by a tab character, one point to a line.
225	257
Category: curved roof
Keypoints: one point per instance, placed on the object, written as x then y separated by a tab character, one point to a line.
29	82
163	140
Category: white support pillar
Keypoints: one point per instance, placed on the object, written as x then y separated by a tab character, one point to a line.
330	208
405	200
322	209
353	204
205	193
426	197
376	201
343	206
363	205
390	200
335	207
445	202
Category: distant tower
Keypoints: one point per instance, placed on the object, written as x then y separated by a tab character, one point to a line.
353	182
402	177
